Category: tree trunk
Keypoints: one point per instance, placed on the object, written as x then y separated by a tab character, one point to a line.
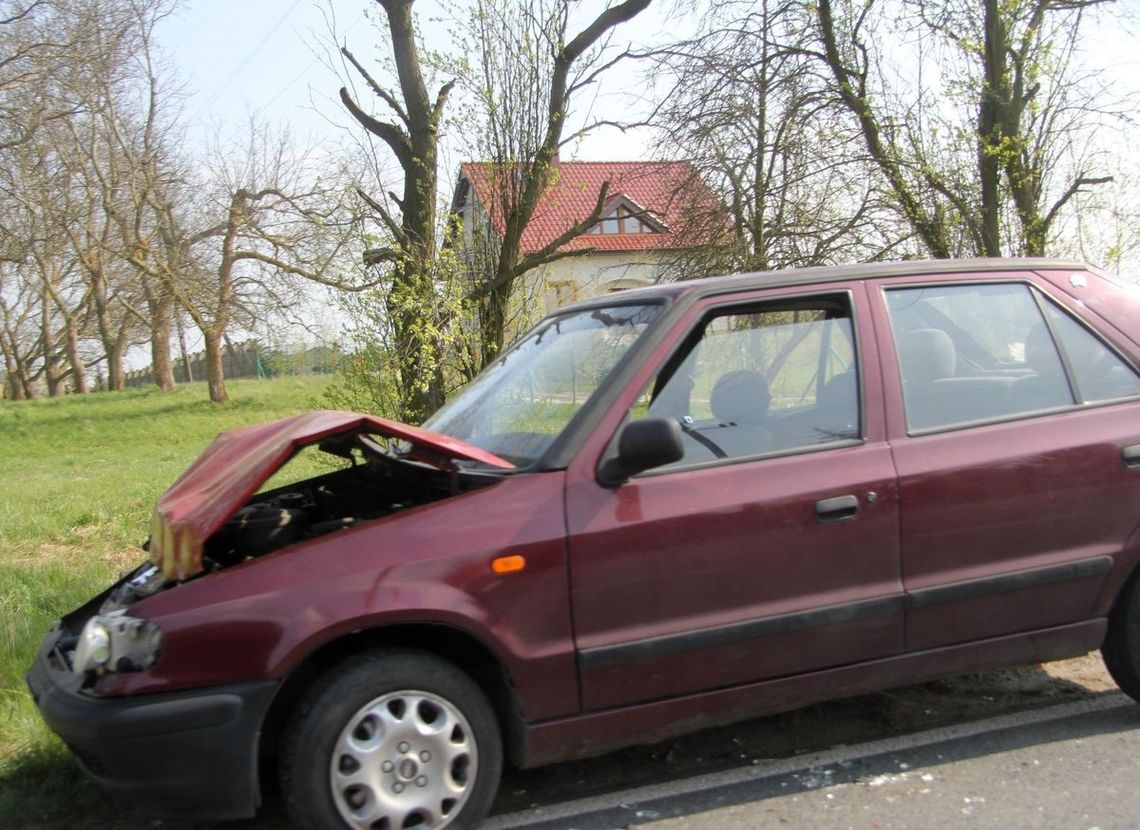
74	360
990	144
493	315
113	343
184	354
47	344
13	389
215	374
160	311
116	377
420	367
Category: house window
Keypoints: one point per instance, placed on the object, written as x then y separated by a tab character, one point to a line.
563	292
622	220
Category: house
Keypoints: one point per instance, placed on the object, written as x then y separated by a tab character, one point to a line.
646	222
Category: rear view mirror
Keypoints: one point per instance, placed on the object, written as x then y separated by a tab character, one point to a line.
643	445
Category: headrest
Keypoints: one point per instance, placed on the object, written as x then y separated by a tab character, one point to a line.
740	396
926	355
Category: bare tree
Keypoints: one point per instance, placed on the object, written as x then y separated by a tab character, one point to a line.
39	40
20	345
529	67
746	105
411	134
144	137
1009	67
95	181
268	220
100	151
105	237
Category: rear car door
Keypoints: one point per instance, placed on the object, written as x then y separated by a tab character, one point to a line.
1010	417
771	548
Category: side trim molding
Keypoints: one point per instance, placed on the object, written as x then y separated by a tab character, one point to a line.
704	638
655	648
1015	581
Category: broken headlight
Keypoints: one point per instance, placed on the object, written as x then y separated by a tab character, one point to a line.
117	643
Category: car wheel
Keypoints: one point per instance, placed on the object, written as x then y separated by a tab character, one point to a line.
1121	649
391	739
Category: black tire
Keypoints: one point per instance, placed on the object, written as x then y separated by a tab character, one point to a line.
391	738
1121	649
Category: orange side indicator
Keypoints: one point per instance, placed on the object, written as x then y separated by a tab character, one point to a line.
508	564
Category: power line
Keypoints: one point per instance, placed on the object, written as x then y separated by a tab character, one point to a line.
248	59
292	82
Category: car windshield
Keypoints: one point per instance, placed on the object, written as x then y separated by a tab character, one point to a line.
522	401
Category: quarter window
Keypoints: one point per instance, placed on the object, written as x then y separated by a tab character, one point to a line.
1098	373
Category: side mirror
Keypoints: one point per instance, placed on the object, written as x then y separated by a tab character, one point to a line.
643	445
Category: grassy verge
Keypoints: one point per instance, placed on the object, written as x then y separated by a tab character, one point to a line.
78	479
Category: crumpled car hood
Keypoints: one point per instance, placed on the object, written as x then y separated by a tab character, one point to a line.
238	462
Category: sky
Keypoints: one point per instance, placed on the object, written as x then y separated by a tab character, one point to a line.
271	58
252	57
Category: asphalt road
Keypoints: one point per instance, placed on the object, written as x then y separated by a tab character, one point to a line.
1071	765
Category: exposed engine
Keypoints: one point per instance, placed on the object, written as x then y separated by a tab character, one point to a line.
263	526
366	491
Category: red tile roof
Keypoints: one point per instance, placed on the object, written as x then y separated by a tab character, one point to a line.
668	190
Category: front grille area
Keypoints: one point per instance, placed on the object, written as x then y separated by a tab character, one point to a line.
60	660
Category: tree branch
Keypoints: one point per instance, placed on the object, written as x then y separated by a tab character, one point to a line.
1073	190
605	21
381	93
307	273
385	217
549	252
390	134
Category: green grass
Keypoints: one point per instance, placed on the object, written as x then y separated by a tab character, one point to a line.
78	479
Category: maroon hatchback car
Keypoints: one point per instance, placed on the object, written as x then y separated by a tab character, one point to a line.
660	510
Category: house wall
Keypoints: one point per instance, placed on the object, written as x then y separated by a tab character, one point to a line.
577	278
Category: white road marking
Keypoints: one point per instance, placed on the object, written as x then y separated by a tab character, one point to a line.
785	766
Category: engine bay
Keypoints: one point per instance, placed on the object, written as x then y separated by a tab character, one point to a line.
378	483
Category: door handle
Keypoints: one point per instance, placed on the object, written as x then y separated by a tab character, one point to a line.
841	508
1131	456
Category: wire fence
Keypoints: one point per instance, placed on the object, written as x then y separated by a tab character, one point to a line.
251	359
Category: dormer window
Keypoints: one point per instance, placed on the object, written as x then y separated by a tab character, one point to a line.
625	216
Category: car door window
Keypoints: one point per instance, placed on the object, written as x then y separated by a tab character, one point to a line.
762	379
974	353
984	352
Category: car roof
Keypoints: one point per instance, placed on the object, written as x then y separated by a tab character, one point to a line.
732	283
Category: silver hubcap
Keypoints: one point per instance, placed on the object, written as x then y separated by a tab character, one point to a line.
404	760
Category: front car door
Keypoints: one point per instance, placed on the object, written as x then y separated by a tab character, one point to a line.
771	548
1009	416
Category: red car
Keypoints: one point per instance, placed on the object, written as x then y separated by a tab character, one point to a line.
661	510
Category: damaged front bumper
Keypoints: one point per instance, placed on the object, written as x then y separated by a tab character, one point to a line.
187	755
